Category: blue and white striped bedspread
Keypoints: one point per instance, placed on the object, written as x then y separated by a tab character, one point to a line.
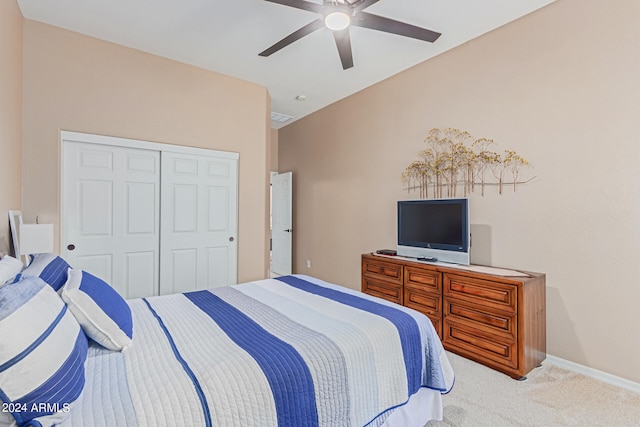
292	351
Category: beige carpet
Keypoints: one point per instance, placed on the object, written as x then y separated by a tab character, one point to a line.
551	396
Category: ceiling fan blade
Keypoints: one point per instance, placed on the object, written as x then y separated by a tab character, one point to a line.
296	35
343	43
299	4
375	22
365	4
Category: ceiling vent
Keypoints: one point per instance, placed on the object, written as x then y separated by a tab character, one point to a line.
281	118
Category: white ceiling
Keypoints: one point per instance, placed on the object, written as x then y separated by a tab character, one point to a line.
226	36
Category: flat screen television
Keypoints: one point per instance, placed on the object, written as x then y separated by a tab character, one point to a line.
434	230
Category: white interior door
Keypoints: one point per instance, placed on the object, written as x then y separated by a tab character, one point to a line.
110	214
199	222
281	223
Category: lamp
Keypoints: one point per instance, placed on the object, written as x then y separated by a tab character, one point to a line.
36	239
337	21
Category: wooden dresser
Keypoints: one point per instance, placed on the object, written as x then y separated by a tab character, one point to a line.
496	320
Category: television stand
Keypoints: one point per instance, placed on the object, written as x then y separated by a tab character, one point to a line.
494	316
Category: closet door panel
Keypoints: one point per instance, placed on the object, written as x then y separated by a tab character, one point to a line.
141	209
95	202
184	267
199	217
217	219
185	209
217	270
110	214
149	218
100	265
139	283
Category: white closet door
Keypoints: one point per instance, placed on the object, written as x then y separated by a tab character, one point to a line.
199	222
110	214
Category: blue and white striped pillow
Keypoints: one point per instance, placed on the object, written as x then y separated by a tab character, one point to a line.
103	314
42	352
49	267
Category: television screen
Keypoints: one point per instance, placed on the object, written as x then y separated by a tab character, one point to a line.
438	224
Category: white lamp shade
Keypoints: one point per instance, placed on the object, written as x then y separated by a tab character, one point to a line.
36	238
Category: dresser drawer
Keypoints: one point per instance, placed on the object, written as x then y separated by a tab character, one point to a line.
479	345
427	303
387	271
424	302
482	319
382	289
420	278
496	295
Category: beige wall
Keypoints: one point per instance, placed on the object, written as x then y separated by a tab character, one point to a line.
10	114
561	87
274	150
74	82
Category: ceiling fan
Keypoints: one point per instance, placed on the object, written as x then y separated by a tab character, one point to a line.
338	16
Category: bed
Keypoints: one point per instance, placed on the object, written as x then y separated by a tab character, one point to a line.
290	351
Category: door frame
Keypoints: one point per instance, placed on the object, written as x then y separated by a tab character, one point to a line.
113	141
144	145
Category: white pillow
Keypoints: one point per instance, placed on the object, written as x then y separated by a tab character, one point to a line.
42	352
103	314
9	267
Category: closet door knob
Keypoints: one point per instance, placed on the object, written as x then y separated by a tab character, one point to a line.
231	239
71	247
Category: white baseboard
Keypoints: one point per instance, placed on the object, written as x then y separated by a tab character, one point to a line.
594	373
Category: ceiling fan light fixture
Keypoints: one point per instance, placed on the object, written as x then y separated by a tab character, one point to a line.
336	21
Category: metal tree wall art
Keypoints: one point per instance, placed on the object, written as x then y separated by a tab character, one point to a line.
455	161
